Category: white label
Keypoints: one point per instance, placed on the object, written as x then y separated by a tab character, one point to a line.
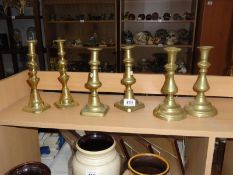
91	75
12	17
81	20
160	45
91	173
131	72
129	102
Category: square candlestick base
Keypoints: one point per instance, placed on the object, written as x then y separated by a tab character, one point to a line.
93	111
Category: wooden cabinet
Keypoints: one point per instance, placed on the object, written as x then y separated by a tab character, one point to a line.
200	133
215	27
82	24
106	22
19	53
172	23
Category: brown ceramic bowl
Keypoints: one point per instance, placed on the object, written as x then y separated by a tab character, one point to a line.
148	164
30	168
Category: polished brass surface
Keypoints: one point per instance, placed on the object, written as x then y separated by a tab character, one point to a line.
201	107
36	104
128	80
94	107
66	100
170	110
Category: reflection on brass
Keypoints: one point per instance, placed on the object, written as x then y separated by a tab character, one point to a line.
128	103
169	110
94	107
36	104
200	107
66	100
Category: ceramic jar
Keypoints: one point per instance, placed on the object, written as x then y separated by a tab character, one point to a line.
147	164
96	155
32	168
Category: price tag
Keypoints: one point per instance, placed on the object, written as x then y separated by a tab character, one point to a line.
129	102
12	17
82	20
91	173
131	72
91	75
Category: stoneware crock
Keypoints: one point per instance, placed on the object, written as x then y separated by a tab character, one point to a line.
96	155
30	168
147	164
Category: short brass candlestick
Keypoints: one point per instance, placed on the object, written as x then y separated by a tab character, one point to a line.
201	107
169	110
94	107
66	100
128	103
36	104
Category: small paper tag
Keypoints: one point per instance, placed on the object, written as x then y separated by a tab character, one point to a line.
91	75
91	173
129	102
82	20
12	17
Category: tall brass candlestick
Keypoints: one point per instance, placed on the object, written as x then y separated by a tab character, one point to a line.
66	100
94	107
169	110
128	103
36	104
201	107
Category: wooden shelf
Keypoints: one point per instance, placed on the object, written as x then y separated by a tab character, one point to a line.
23	50
202	132
160	46
158	21
141	121
80	21
18	17
96	2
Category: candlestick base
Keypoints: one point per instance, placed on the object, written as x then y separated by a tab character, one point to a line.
169	112
120	105
60	105
201	110
94	111
37	108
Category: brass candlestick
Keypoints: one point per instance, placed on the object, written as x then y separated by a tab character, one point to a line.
66	100
128	103
94	107
201	107
36	104
169	110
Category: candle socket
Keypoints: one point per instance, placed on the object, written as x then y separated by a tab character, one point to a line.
170	110
66	100
201	107
94	108
35	104
128	103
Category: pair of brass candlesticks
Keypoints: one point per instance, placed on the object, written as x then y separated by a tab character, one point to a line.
168	110
36	104
200	107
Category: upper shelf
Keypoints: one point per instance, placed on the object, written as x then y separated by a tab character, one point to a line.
141	121
161	45
79	21
158	21
18	17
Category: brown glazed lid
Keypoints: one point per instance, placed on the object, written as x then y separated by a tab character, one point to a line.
30	168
